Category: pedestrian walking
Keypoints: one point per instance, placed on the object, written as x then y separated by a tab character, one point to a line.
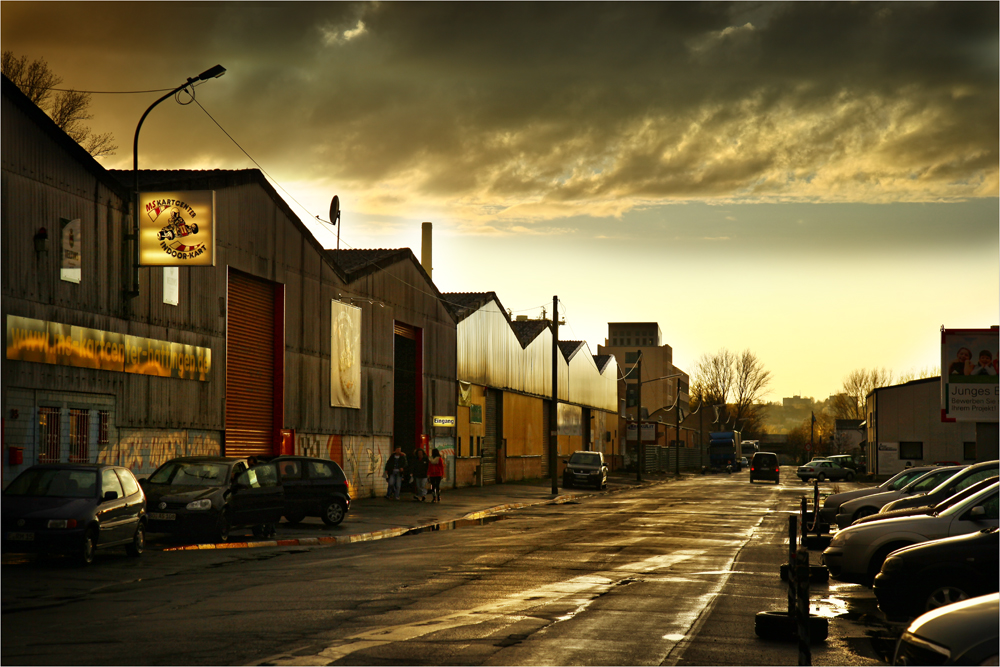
419	470
435	472
395	469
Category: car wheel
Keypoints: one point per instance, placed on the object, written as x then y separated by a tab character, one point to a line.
941	594
88	547
776	481
138	544
863	512
751	479
821	477
333	513
850	477
222	528
294	517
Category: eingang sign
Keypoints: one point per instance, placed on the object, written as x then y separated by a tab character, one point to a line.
177	228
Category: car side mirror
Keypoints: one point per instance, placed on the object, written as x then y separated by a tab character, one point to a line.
977	513
110	495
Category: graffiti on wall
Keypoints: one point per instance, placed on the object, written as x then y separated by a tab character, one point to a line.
362	458
143	450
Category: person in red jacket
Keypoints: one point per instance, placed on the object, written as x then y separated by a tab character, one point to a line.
435	472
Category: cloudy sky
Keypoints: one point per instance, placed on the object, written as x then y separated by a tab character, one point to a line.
815	182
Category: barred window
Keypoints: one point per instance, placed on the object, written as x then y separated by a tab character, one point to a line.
48	435
79	436
103	419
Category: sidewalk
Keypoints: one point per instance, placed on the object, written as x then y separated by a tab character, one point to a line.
379	518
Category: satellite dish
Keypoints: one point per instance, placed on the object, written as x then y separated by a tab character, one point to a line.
335	210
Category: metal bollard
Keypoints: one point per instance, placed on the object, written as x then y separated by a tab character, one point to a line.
802	517
792	539
802	608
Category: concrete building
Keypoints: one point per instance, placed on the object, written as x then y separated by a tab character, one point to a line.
660	397
904	426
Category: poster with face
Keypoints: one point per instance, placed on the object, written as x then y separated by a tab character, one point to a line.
345	355
970	361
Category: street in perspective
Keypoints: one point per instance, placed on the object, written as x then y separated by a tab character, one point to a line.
364	333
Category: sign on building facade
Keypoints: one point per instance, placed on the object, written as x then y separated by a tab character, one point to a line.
177	228
345	355
970	360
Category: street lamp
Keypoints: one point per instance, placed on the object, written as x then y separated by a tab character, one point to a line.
210	73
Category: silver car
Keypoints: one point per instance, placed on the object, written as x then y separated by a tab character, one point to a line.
855	509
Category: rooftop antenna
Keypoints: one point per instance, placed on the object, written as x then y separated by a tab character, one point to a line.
335	216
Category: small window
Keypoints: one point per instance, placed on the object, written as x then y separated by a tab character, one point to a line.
911	450
79	436
103	420
969	453
475	414
631	357
128	482
48	435
110	482
320	470
290	470
458	446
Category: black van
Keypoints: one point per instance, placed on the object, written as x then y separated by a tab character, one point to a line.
764	465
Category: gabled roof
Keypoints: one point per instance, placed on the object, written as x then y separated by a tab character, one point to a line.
357	263
601	361
463	304
63	140
528	330
569	348
214	179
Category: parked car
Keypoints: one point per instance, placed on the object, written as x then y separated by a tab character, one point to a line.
923	577
930	509
744	463
313	487
964	633
963	479
586	468
823	470
853	510
764	465
207	496
844	461
831	506
74	508
856	553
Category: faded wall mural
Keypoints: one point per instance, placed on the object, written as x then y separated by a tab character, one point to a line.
142	450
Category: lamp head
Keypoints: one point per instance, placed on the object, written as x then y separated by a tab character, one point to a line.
212	73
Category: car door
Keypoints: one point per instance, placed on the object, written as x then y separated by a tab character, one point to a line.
112	513
257	496
295	485
967	523
135	500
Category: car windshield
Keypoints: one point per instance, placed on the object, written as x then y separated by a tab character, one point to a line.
930	480
585	458
903	478
55	484
189	473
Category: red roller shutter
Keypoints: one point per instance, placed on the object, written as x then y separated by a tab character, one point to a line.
249	366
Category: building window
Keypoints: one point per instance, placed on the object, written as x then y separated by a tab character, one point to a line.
79	436
911	450
969	453
48	435
475	414
631	357
630	395
103	419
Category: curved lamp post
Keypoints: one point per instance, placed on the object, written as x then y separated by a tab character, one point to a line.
211	73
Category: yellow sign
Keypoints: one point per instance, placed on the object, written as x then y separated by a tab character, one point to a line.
66	345
177	228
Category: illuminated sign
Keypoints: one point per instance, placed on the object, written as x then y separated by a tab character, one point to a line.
177	228
446	422
66	345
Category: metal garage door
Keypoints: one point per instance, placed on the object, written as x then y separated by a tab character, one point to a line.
249	366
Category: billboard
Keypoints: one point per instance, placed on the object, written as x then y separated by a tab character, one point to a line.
177	228
345	355
969	374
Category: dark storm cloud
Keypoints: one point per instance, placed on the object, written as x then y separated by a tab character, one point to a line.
574	102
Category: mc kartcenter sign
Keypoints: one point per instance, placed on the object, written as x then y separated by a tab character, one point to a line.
177	228
970	371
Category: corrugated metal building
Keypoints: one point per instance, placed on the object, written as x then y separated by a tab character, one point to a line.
236	358
505	378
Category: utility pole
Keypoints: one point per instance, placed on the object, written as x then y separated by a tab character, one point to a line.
554	409
641	458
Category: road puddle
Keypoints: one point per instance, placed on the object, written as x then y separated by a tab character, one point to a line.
455	525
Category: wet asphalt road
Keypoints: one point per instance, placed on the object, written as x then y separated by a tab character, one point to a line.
668	573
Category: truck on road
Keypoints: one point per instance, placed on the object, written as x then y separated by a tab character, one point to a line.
724	450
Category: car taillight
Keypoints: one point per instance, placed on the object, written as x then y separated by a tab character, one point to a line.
62	523
777	469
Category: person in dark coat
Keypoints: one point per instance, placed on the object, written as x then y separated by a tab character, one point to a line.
395	471
419	471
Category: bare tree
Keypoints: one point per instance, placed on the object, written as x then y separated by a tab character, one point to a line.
741	378
850	402
715	375
68	109
750	383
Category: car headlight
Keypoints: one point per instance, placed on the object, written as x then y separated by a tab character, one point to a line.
893	564
61	523
839	539
203	504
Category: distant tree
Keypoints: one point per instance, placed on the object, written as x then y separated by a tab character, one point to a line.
750	381
850	402
68	109
736	383
922	374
